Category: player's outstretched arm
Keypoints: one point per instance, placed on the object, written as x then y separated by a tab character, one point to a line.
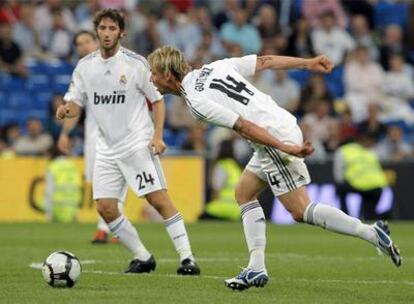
68	110
259	135
319	64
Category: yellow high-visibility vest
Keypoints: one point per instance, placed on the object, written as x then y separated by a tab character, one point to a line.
225	206
363	170
67	190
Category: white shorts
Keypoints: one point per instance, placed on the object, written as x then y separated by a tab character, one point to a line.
141	171
283	172
89	153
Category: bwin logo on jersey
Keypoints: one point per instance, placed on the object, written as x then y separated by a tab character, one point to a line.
117	97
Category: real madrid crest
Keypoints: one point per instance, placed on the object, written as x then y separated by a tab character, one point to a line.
123	80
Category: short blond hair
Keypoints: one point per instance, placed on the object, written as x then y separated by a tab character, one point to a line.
169	59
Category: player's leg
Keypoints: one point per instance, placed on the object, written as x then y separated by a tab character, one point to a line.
254	225
144	174
174	224
298	203
108	184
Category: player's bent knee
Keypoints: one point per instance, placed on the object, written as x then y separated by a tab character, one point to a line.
108	210
242	196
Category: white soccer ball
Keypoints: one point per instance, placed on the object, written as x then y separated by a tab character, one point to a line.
61	269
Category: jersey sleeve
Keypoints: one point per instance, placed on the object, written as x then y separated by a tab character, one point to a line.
145	84
212	112
76	92
245	66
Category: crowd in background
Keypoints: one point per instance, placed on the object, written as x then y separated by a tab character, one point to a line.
370	42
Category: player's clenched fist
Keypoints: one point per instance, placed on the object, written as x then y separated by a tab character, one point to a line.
320	64
62	111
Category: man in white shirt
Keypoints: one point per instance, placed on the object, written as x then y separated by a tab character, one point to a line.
86	43
220	94
115	83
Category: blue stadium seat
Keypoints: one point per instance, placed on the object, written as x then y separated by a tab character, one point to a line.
19	101
57	67
12	116
12	83
3	99
169	137
37	67
61	83
43	100
38	82
386	13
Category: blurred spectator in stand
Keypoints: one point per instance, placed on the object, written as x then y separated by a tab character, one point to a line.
196	140
356	169
11	57
170	30
364	81
285	91
225	175
239	31
44	16
300	42
314	90
361	7
362	34
12	133
36	142
9	11
178	116
84	13
314	9
331	40
226	13
5	150
58	40
319	126
148	39
25	34
392	43
267	24
347	130
208	50
372	126
393	147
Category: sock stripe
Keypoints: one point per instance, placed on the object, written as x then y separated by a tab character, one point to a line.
115	228
174	219
282	169
249	207
309	213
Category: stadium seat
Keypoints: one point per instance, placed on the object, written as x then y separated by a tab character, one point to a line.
12	83
19	101
43	100
61	83
387	13
59	67
38	82
12	116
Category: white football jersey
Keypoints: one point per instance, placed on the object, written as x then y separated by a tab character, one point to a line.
219	93
115	90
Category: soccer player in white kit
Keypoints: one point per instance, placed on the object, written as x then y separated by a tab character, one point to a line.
115	83
86	43
220	94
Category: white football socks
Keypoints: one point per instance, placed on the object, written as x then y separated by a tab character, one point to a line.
176	230
254	224
333	219
128	236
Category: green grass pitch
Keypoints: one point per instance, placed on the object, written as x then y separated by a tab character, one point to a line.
305	264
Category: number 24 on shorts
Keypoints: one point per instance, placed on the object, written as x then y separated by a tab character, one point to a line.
143	179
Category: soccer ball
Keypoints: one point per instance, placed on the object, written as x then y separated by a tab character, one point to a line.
61	269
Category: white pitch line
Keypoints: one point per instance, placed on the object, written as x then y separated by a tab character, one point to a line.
337	281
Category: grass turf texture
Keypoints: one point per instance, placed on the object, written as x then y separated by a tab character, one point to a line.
306	265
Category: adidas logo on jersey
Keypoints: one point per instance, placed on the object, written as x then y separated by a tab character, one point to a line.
117	97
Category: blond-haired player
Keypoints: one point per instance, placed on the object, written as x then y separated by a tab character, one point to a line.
220	94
